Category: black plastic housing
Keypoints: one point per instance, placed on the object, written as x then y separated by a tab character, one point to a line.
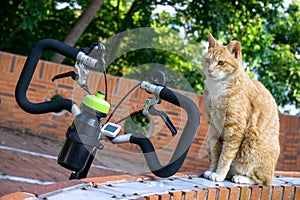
82	140
74	154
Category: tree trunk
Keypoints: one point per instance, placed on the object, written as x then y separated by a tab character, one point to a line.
84	20
135	7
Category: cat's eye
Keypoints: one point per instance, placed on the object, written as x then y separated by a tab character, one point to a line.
221	63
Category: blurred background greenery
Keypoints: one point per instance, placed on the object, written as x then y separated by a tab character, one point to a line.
269	31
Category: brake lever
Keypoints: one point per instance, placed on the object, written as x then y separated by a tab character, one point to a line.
71	74
165	118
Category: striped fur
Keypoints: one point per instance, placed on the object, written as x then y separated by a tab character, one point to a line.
243	140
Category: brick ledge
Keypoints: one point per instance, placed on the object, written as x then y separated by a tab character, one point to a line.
282	191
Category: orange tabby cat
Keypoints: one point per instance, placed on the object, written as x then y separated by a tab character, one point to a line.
243	140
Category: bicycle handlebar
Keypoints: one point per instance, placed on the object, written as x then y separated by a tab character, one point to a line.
184	142
28	71
142	141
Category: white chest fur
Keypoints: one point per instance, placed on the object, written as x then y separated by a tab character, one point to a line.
214	104
216	89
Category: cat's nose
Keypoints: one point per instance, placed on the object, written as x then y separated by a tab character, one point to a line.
210	70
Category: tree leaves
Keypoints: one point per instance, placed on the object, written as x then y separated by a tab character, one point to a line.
268	31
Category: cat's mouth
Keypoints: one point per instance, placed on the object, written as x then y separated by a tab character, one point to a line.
212	76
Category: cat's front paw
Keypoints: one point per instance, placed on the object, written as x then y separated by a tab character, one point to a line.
216	177
242	179
207	174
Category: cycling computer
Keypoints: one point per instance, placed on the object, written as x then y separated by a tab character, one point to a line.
111	129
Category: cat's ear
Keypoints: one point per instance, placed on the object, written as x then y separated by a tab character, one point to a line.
235	48
212	42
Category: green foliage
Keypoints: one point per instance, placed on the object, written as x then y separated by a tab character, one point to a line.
25	22
269	34
137	123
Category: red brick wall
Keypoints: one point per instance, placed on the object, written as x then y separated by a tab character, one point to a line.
42	89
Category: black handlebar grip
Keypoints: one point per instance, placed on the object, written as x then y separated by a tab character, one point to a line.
28	71
184	142
168	95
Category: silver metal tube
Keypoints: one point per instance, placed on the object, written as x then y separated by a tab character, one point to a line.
87	61
152	88
119	139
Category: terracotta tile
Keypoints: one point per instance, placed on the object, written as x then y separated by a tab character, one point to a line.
201	194
265	192
276	192
287	192
189	195
255	193
244	193
297	192
17	196
212	194
223	193
176	195
152	197
164	197
234	193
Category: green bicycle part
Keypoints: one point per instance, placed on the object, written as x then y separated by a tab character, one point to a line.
97	102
